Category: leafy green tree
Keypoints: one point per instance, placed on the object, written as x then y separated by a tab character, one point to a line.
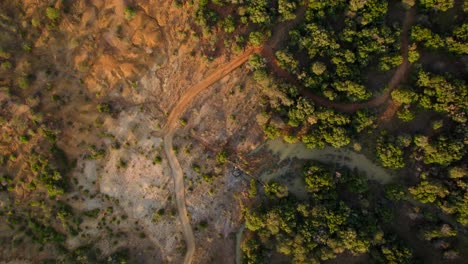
318	179
395	254
337	137
444	95
301	112
258	11
228	24
442	151
405	114
353	90
427	37
256	62
318	68
331	117
287	61
440	5
256	38
413	56
408	3
276	189
458	42
318	41
444	231
286	9
395	192
313	140
390	62
428	192
353	243
271	131
362	120
458	172
404	96
253	221
390	155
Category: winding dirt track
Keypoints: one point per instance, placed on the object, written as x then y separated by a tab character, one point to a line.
171	124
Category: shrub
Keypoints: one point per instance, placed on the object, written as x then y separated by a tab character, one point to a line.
253	188
271	131
52	13
130	13
222	157
4	55
395	192
390	155
23	82
24	139
6	65
157	160
104	108
35	22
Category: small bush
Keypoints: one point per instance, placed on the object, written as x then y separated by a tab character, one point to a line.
23	82
24	139
104	108
130	13
4	55
157	160
6	65
222	157
196	168
52	13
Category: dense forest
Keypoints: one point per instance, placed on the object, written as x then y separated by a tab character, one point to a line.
387	78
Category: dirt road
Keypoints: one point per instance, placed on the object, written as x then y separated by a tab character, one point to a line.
171	124
179	190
